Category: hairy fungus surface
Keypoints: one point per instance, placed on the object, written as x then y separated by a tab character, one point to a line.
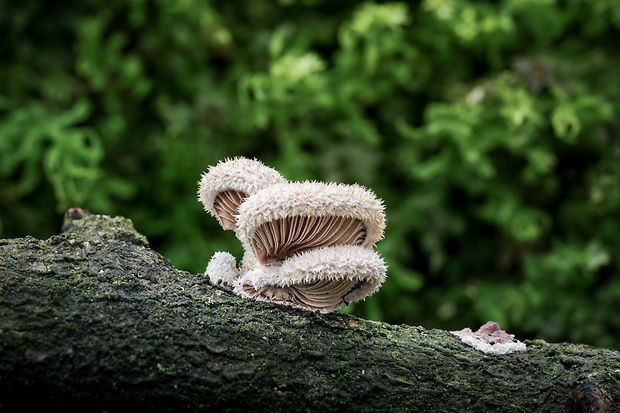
277	204
224	187
324	279
307	244
222	269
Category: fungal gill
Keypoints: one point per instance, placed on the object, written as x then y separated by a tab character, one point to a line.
322	295
277	240
226	206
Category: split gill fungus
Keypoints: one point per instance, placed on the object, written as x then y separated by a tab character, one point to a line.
322	295
224	187
307	244
275	241
226	206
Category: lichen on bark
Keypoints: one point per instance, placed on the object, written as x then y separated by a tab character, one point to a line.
93	319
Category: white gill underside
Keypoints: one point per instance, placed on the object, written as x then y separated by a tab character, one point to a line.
277	240
321	295
226	205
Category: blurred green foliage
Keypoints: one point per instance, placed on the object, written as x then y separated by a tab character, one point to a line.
490	129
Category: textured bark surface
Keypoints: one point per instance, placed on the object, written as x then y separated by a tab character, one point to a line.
94	320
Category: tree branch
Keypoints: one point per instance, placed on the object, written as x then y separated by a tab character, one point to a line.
93	319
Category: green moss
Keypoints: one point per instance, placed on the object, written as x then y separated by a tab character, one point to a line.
115	325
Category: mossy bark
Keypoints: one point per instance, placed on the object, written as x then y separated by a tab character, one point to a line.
95	320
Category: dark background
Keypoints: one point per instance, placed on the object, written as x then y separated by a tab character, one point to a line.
489	128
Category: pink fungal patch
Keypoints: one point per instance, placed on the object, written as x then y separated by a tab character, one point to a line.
490	339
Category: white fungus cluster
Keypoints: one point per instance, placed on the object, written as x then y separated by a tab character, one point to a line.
307	244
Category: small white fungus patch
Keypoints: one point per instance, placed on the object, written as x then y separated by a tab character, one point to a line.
222	269
490	339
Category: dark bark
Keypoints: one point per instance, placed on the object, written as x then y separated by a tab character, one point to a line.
94	320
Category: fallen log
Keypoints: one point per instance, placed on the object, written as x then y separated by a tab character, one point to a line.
95	320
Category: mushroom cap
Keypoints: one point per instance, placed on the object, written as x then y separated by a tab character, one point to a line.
282	220
224	187
222	269
324	279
